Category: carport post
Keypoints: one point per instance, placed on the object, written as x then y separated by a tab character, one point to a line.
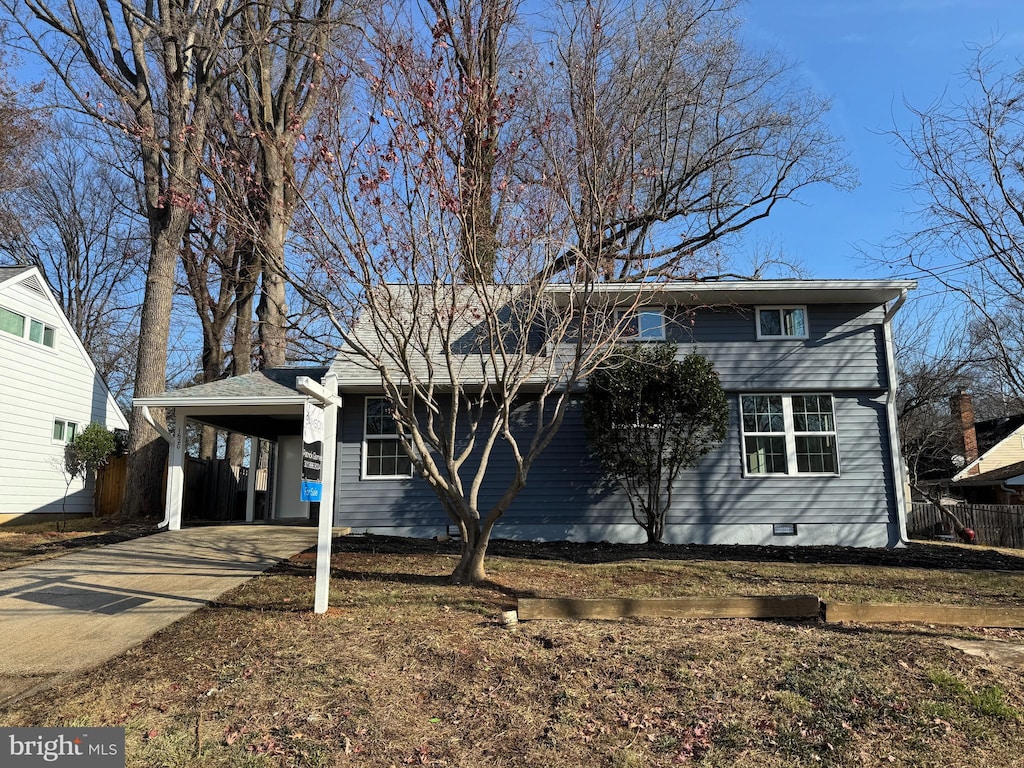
176	472
328	395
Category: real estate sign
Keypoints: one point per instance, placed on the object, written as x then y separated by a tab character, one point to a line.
312	452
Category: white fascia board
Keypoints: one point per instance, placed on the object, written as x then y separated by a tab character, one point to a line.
753	291
196	402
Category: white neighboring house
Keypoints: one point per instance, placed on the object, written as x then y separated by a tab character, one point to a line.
49	391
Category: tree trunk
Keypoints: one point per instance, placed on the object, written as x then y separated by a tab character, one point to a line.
470	569
276	219
208	443
147	451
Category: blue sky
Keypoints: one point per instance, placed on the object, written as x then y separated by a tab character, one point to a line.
869	56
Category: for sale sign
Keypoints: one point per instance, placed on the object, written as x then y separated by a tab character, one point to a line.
312	452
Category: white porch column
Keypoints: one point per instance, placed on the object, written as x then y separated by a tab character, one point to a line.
176	472
250	491
327	476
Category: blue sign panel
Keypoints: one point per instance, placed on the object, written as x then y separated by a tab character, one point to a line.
311	490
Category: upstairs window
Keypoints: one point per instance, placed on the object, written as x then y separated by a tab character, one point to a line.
782	322
12	322
383	455
789	435
38	332
647	324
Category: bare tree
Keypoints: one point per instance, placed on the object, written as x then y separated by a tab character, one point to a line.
77	221
934	367
477	195
967	155
669	137
149	69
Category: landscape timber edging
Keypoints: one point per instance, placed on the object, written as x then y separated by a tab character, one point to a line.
1008	617
770	607
790	607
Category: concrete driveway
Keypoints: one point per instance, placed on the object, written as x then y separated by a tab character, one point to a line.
71	613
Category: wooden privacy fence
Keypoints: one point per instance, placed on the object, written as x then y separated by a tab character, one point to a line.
214	490
997	525
110	483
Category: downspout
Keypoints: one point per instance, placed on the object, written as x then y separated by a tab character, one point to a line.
162	430
899	474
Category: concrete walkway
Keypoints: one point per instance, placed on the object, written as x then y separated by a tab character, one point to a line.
71	613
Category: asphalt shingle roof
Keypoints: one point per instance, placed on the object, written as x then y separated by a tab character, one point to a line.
271	382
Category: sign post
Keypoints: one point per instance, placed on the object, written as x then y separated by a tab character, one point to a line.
312	452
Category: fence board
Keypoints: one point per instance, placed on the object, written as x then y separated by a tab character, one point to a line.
110	485
997	525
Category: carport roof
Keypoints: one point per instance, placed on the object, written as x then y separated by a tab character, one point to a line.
271	386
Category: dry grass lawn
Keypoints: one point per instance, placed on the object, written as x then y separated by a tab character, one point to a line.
406	670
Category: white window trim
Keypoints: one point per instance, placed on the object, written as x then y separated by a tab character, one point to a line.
367	438
790	435
784	336
25	336
65	422
621	313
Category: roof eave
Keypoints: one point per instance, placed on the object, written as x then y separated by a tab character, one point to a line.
172	402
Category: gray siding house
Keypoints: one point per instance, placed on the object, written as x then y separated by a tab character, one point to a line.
811	456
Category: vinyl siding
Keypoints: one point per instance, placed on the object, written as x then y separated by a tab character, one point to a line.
37	385
844	348
566	496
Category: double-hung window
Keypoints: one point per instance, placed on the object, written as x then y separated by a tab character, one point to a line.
383	455
781	322
789	435
645	324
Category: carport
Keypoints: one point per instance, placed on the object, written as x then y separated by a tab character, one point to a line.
265	405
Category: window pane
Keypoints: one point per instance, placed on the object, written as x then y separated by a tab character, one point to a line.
813	413
378	417
816	453
762	413
771	323
35	332
651	325
385	458
12	322
765	455
72	431
58	429
49	336
795	322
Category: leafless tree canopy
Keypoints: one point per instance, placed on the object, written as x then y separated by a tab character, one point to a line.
967	154
76	219
669	136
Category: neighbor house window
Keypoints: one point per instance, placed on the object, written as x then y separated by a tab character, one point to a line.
789	435
383	455
647	324
12	322
781	322
64	431
38	332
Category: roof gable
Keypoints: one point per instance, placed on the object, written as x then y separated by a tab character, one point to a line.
31	279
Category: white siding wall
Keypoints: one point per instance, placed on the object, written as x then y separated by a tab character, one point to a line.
38	384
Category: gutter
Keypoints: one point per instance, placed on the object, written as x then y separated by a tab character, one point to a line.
896	453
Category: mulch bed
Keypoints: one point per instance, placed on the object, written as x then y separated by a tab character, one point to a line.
914	555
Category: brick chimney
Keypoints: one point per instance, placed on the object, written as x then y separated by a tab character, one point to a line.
966	442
